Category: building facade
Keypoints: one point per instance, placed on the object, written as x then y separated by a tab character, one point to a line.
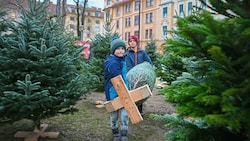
147	19
93	21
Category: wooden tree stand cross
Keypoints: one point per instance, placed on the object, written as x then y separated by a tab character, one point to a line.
33	136
127	99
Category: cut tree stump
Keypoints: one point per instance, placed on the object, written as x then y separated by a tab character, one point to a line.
33	136
127	99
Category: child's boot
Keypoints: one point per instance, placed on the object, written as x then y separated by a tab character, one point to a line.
116	135
124	135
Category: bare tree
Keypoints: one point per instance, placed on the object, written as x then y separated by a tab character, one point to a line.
58	7
78	18
83	14
64	6
61	6
80	27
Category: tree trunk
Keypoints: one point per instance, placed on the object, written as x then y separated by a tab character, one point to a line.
83	15
64	6
58	7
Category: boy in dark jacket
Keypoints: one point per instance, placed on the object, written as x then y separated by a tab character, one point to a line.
135	56
115	65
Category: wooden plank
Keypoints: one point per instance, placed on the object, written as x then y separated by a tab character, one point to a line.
51	135
32	138
22	134
138	94
126	99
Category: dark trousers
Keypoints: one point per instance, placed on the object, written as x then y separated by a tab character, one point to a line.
139	106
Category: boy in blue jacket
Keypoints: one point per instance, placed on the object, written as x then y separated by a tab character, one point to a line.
136	55
115	65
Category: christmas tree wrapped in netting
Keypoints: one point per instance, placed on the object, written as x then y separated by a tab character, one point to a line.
140	75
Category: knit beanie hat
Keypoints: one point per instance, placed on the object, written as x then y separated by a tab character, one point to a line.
116	42
133	37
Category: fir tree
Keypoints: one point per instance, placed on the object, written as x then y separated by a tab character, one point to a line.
37	49
214	91
100	51
151	50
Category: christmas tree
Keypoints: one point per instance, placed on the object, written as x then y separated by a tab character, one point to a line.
100	50
212	95
39	70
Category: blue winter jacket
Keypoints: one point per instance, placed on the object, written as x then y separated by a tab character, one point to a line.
113	66
133	58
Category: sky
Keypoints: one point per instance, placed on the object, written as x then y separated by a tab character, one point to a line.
95	3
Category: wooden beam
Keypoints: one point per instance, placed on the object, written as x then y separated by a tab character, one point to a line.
138	94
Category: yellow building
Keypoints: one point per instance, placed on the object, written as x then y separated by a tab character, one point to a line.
147	18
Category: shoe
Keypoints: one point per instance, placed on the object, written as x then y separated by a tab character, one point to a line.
116	134
124	135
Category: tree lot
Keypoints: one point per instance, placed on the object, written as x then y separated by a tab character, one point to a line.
206	62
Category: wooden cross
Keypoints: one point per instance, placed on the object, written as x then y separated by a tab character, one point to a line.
127	99
33	136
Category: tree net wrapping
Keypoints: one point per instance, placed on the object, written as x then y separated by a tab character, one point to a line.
140	75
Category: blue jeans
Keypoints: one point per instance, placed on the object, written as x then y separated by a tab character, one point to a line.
114	118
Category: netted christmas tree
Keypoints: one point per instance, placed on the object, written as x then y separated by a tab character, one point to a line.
38	68
212	96
140	75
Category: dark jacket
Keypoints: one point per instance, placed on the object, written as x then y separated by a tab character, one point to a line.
113	66
133	58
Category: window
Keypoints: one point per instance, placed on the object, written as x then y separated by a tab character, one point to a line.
189	8
108	2
72	18
149	3
117	24
148	34
89	21
127	22
128	8
136	33
203	6
118	11
71	26
96	14
164	30
88	28
149	17
137	5
73	11
165	12
136	20
127	34
181	10
97	29
97	21
108	15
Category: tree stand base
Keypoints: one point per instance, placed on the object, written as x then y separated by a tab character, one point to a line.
33	136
